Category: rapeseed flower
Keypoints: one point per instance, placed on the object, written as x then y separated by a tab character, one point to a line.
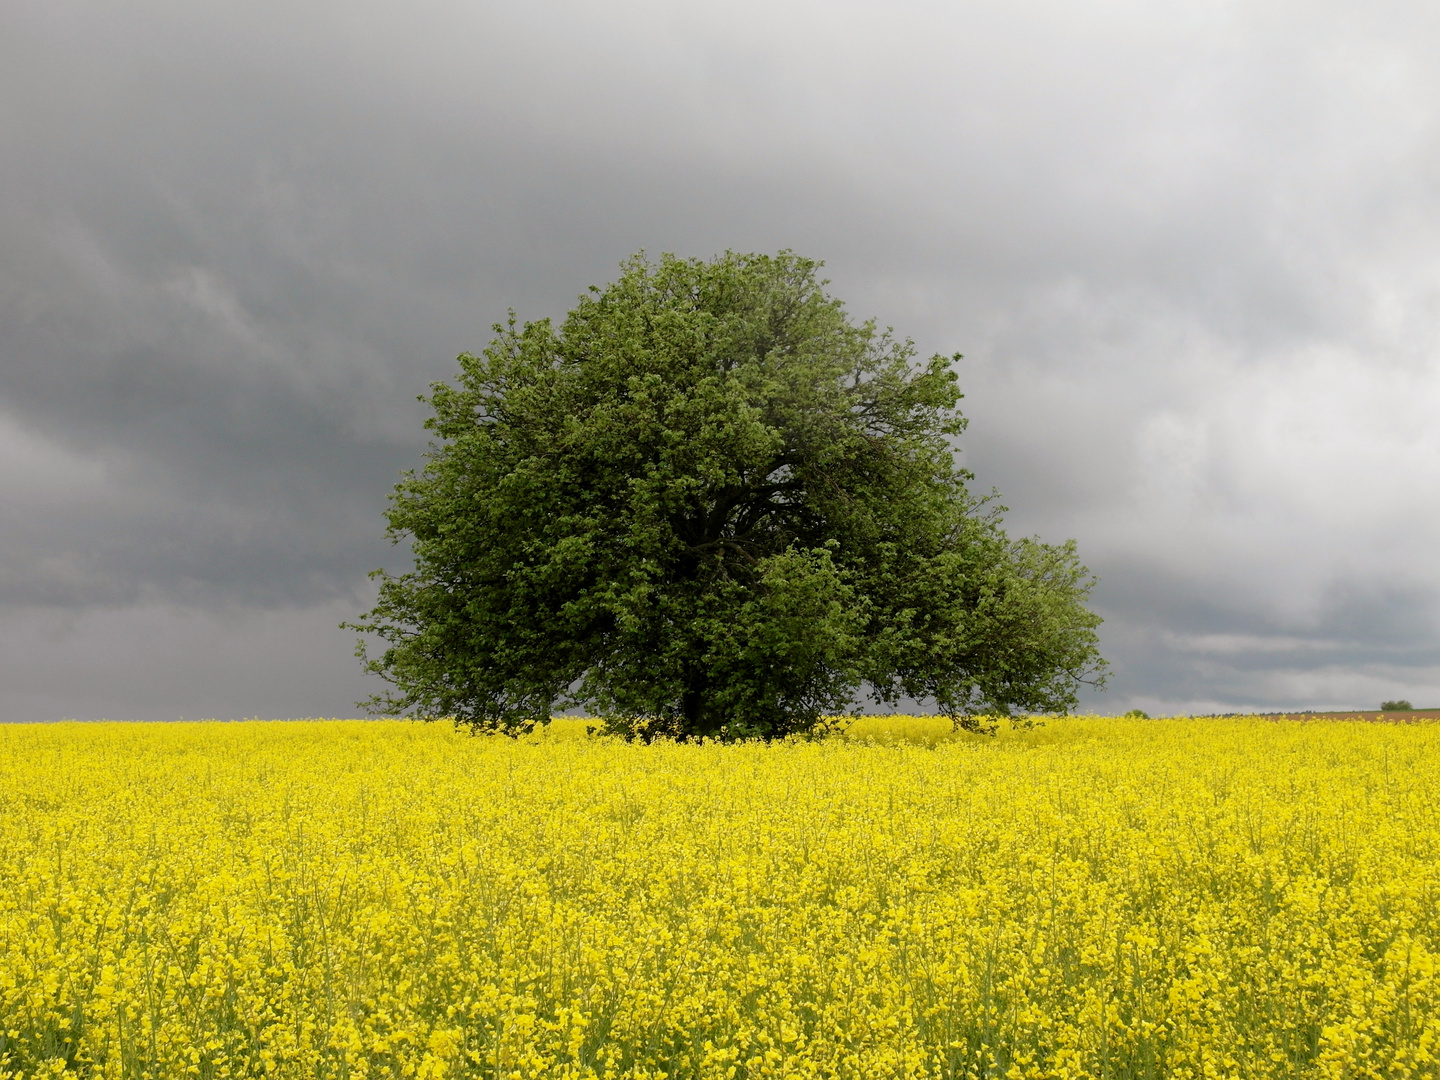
1091	897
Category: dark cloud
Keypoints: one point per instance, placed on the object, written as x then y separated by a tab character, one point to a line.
1188	251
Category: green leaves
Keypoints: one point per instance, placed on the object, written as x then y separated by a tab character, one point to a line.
710	505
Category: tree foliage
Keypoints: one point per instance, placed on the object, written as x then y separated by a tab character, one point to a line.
710	505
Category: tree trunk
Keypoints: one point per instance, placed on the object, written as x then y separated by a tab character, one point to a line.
698	719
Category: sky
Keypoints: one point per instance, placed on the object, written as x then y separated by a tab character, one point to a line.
1190	253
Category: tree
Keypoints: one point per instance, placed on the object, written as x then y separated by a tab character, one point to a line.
710	505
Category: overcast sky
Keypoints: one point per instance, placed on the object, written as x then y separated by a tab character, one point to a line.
1190	250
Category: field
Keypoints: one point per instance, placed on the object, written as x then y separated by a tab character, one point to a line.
1091	898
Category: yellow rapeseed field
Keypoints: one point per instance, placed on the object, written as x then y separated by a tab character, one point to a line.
1091	898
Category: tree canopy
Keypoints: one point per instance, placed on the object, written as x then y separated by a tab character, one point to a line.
711	505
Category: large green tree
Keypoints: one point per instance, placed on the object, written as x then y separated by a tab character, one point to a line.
711	505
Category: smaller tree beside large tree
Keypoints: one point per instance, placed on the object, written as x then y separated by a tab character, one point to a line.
710	505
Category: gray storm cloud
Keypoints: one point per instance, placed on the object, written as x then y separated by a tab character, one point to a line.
1189	251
